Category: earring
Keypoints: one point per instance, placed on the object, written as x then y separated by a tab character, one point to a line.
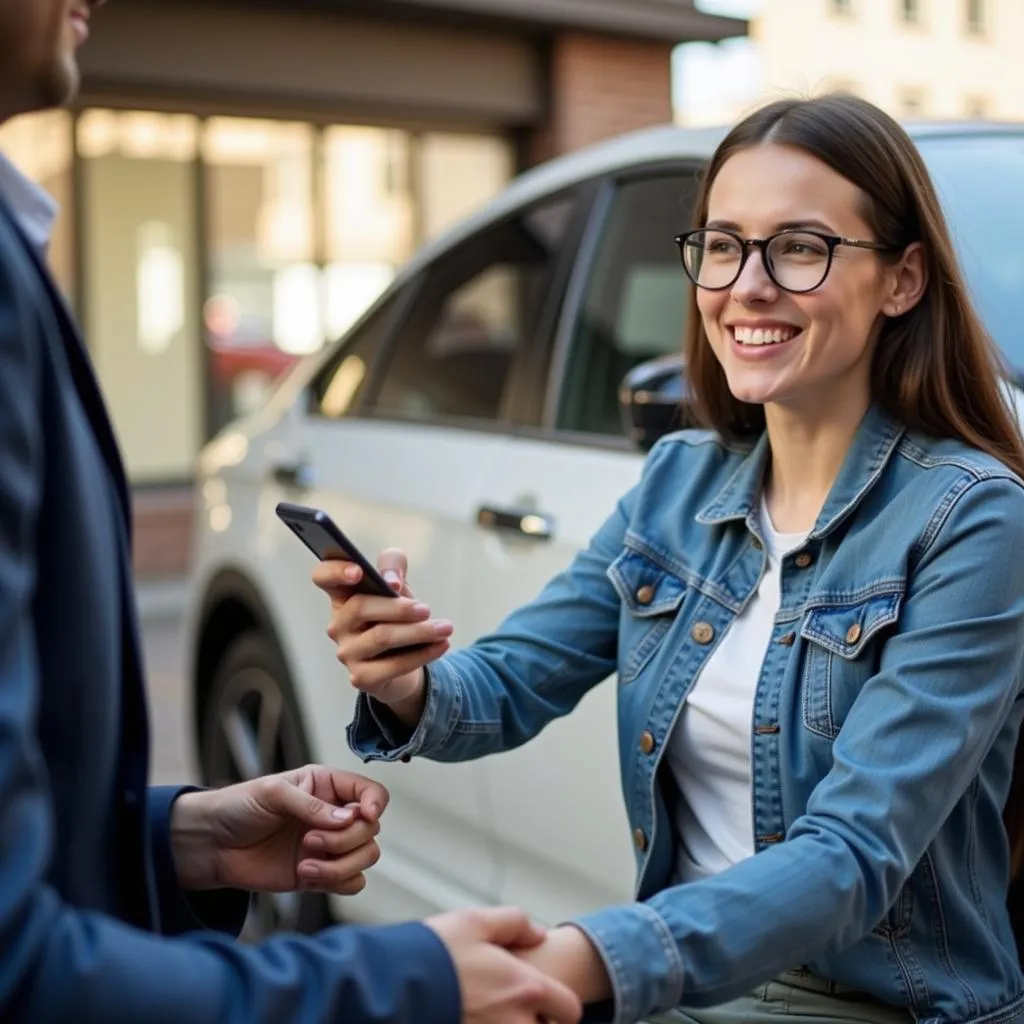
896	310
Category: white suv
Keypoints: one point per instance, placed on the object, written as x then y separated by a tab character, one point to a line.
474	418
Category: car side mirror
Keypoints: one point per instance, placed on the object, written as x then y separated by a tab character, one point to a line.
653	400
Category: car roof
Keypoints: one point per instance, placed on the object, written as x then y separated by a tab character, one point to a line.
647	146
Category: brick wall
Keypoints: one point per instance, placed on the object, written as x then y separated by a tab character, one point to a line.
601	86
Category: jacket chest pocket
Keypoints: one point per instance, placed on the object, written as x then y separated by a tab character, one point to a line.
843	646
651	597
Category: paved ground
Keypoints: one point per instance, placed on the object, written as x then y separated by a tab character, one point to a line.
160	607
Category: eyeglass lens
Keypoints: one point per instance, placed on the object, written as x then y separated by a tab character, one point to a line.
796	260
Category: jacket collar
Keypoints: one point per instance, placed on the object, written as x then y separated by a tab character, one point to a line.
34	209
80	367
873	445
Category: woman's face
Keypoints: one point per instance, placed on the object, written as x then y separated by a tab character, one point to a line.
804	351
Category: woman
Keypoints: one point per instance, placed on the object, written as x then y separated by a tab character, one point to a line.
815	610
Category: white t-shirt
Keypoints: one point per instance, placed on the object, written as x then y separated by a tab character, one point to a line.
709	751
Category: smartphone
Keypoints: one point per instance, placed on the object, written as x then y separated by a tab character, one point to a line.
325	539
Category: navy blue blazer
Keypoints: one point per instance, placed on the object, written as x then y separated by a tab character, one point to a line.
93	924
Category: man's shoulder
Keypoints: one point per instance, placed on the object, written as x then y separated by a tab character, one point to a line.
27	307
19	276
9	231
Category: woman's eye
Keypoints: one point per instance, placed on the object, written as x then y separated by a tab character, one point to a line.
802	249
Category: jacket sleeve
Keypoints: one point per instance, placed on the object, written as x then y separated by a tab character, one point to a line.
222	910
506	687
946	697
61	964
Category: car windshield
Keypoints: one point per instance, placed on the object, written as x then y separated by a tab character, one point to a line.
979	179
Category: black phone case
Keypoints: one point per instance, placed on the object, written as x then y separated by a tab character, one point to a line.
326	540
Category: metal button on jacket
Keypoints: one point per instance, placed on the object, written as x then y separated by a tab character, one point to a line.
702	632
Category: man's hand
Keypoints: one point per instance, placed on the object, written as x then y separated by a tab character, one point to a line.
569	956
312	828
497	987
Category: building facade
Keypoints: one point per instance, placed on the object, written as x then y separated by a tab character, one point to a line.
936	59
916	58
238	181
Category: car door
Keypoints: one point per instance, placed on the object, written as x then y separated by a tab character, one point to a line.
564	844
395	450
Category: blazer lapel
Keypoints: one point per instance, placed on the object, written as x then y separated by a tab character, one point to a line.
84	377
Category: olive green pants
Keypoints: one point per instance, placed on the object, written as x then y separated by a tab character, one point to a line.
796	995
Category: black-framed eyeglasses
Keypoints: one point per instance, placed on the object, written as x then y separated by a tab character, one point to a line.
797	260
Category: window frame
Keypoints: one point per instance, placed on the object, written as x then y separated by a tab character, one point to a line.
516	400
910	13
538	375
398	295
913	101
527	403
552	378
978	107
977	27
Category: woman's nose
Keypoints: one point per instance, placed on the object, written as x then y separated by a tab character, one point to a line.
754	284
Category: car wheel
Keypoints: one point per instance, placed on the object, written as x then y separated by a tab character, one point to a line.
250	727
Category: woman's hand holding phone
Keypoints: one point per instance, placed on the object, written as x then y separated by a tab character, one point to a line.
373	634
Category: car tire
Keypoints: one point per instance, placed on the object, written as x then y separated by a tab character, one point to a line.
249	726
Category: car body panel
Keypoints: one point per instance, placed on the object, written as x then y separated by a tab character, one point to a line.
544	826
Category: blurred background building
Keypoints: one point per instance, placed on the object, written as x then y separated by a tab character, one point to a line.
239	180
936	59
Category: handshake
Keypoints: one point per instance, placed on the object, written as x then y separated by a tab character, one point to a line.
513	972
315	829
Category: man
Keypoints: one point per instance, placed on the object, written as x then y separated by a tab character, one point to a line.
115	900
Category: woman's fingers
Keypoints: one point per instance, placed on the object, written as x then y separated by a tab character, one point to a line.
362	612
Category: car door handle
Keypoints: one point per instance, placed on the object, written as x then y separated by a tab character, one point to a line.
293	474
534	525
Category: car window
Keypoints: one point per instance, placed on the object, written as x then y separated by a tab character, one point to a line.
475	312
635	301
979	180
341	383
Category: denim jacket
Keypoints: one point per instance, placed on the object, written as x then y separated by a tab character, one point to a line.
884	723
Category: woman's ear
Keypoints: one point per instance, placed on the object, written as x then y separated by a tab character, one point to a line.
908	280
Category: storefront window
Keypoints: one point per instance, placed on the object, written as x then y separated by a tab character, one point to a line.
40	145
140	261
370	218
217	253
263	307
457	175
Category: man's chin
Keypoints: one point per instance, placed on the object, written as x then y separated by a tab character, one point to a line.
58	85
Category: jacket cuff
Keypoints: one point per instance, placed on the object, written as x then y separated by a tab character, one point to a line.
375	734
221	910
625	936
425	970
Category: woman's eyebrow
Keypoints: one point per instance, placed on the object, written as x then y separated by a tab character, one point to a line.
810	223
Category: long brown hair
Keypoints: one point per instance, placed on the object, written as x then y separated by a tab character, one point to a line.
935	368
